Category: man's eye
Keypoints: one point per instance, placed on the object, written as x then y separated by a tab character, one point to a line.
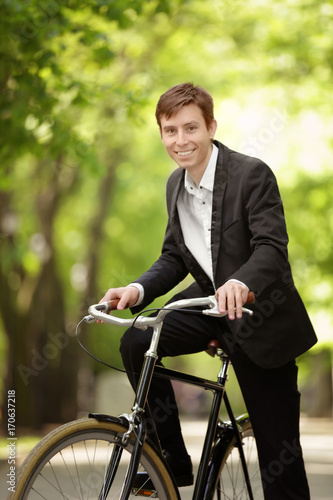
192	128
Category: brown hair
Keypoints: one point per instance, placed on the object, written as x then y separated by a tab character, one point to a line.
181	95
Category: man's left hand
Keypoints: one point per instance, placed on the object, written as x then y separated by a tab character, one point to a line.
231	297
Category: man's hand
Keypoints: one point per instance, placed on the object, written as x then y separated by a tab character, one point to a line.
232	295
123	297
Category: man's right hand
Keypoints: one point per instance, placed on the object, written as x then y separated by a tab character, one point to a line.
123	297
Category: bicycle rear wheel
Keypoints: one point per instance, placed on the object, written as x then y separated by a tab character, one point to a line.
230	481
86	460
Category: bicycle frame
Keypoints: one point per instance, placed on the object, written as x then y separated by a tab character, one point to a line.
136	421
149	369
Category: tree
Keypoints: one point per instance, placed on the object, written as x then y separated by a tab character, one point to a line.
52	149
81	169
311	226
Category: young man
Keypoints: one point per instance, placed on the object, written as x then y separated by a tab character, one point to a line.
226	228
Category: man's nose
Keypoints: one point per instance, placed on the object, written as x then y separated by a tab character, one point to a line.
182	138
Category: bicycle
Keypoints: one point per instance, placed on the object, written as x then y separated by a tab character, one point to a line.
98	457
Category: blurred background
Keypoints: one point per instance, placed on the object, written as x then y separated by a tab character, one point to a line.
83	173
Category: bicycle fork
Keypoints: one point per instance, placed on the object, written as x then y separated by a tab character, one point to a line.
111	471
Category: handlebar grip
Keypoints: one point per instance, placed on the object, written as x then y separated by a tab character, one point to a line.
113	303
106	307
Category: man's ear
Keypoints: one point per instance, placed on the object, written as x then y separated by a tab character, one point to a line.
212	129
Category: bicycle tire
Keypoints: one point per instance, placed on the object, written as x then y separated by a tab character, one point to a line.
227	480
71	463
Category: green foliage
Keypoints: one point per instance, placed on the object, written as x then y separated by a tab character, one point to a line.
82	171
310	224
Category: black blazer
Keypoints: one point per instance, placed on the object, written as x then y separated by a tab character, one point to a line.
249	243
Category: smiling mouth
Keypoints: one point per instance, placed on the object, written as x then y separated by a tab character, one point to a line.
184	153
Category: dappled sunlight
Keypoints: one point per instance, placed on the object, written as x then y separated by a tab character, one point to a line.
83	170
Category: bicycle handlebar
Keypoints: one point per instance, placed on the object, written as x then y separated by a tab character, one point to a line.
100	312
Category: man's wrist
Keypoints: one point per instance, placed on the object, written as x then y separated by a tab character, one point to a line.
141	293
237	281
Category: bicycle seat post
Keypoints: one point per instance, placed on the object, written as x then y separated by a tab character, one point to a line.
223	374
214	349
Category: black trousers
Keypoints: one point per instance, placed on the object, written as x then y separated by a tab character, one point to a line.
271	397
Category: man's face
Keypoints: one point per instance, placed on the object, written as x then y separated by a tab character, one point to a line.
188	140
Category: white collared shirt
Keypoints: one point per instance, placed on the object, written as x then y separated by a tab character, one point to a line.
194	207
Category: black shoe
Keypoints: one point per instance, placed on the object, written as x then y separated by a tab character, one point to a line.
181	469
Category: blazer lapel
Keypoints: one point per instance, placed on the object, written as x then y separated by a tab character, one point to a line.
174	217
220	183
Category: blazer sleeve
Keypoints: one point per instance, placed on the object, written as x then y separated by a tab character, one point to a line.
268	257
165	273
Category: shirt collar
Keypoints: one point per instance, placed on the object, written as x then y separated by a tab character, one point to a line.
207	180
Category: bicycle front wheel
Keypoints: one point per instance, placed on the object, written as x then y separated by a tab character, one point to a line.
230	481
86	460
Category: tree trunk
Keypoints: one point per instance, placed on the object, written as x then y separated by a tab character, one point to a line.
86	375
45	367
41	366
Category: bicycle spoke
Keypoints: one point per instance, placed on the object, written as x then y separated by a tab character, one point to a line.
68	471
56	479
39	494
53	486
231	484
89	461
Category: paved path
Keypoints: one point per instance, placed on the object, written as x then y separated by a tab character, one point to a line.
317	442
